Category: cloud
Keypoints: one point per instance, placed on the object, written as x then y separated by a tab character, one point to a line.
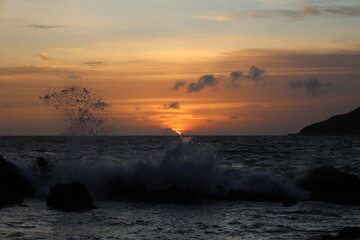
42	27
297	14
312	86
72	76
219	18
308	11
172	105
234	78
28	69
6	105
100	105
255	73
233	117
209	80
204	81
44	57
209	120
178	85
94	64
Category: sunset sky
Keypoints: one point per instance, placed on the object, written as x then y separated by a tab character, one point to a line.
205	67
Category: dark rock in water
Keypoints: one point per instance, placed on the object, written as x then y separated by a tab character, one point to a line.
138	192
325	237
241	195
289	202
346	124
328	184
349	233
69	197
12	185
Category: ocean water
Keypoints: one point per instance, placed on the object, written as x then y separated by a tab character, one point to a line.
208	165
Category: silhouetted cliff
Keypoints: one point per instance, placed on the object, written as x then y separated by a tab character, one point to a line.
346	124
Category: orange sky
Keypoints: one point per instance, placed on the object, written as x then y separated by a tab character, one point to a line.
132	54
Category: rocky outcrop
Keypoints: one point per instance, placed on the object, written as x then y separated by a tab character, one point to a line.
349	233
328	184
346	124
13	187
69	197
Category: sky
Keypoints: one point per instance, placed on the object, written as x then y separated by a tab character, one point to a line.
202	67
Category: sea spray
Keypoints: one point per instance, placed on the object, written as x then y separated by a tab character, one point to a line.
81	111
186	167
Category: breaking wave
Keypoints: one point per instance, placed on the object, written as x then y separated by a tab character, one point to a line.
185	172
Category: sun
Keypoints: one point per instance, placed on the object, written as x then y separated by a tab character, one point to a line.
178	132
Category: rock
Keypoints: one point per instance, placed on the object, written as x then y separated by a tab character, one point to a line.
349	233
69	197
289	202
12	185
241	195
328	184
325	237
346	124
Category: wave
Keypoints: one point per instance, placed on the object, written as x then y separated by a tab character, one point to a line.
186	171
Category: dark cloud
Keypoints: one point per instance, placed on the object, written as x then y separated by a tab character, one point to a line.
178	85
235	77
42	27
312	86
172	105
94	64
308	11
255	73
233	117
209	120
209	80
6	105
204	81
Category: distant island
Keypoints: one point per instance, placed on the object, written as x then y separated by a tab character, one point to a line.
345	124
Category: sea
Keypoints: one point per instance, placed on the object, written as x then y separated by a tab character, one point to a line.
208	165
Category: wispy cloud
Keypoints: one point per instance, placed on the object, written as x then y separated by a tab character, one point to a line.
42	27
97	64
312	86
297	14
305	11
44	57
219	18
